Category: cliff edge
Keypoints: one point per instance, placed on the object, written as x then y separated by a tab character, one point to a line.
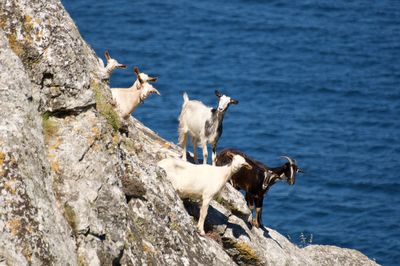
74	191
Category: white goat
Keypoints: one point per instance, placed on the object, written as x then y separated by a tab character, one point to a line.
200	181
111	65
203	123
128	99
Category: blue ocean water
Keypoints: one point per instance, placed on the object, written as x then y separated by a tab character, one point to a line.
316	80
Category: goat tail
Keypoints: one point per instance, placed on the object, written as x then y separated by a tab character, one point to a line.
185	98
182	136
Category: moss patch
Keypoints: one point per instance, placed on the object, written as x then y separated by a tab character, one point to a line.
49	127
241	252
104	107
55	166
15	45
2	157
70	216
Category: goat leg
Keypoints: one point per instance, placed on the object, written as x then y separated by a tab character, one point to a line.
258	202
214	155
205	153
194	142
203	214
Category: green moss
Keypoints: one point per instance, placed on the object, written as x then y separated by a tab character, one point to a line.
49	127
70	216
245	254
105	108
16	46
82	261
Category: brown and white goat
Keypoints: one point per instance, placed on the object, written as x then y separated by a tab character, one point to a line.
258	180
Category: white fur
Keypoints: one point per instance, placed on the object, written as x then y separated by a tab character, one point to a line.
111	65
223	102
200	181
128	99
192	119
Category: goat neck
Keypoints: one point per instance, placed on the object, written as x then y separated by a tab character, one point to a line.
214	124
282	171
228	171
109	69
136	85
272	178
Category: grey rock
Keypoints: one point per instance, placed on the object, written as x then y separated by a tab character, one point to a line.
29	212
331	255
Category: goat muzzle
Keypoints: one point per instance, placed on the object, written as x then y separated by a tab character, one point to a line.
157	92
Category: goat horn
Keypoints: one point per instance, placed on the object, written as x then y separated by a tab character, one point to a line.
287	158
291	166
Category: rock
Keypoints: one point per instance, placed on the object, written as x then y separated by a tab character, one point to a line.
331	255
57	61
78	192
33	228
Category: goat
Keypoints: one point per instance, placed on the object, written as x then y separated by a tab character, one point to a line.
111	65
203	123
128	99
200	181
257	181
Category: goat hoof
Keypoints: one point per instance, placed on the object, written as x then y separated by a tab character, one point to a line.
255	223
124	130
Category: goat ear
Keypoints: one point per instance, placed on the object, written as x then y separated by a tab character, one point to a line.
247	166
152	79
234	101
136	71
230	154
217	93
107	55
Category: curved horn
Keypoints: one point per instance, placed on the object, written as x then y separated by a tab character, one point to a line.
287	158
291	166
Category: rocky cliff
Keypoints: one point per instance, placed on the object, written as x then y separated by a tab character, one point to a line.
74	191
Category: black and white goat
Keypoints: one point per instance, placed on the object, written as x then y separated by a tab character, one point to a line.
258	180
203	123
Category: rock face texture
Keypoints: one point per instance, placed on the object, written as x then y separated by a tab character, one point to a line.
74	191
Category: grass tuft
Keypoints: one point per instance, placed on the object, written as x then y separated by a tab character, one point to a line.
244	255
70	216
49	127
105	108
